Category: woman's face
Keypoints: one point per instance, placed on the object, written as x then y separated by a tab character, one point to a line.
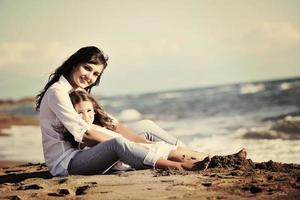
84	75
85	110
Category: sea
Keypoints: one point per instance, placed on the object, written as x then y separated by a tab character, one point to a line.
208	119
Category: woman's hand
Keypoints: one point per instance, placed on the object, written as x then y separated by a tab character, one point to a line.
93	136
89	143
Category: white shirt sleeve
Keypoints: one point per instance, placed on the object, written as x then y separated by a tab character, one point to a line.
60	103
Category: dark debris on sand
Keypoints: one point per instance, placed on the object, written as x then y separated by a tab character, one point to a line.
169	172
241	167
247	164
277	167
231	162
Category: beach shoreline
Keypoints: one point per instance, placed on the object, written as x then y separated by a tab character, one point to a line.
10	163
9	120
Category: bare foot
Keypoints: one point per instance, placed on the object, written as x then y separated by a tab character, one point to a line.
196	166
194	155
199	155
242	153
202	165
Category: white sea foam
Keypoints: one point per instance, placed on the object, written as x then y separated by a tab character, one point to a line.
287	86
258	150
23	143
129	115
287	128
114	103
170	95
251	88
201	127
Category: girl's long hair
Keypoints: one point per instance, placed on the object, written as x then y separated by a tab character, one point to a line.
101	117
90	54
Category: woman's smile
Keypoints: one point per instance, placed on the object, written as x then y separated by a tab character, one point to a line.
84	80
85	75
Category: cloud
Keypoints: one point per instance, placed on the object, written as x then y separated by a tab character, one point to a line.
146	50
271	36
15	53
29	57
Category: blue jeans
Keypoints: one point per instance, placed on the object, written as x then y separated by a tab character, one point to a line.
154	133
101	157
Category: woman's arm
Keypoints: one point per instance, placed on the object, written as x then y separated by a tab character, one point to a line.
93	136
98	134
129	134
60	104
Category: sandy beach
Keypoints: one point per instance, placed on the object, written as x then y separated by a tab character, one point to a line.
246	180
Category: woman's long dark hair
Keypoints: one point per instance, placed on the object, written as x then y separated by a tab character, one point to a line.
90	54
101	117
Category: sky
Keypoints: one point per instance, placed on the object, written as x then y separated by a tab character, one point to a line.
152	45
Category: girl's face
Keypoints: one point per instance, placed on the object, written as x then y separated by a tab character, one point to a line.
84	75
86	111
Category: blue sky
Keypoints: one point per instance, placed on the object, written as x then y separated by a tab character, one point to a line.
153	46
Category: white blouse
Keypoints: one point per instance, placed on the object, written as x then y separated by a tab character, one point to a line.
56	109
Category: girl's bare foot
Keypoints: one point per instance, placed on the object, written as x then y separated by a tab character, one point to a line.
242	153
202	165
196	166
197	156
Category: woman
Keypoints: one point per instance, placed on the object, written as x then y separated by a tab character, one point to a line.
83	70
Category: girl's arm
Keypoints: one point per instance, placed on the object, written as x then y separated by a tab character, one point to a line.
129	134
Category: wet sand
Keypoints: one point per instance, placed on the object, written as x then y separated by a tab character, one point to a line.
8	163
228	180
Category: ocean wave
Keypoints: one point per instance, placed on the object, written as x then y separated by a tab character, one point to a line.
287	129
252	88
289	85
129	115
258	150
169	95
23	143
